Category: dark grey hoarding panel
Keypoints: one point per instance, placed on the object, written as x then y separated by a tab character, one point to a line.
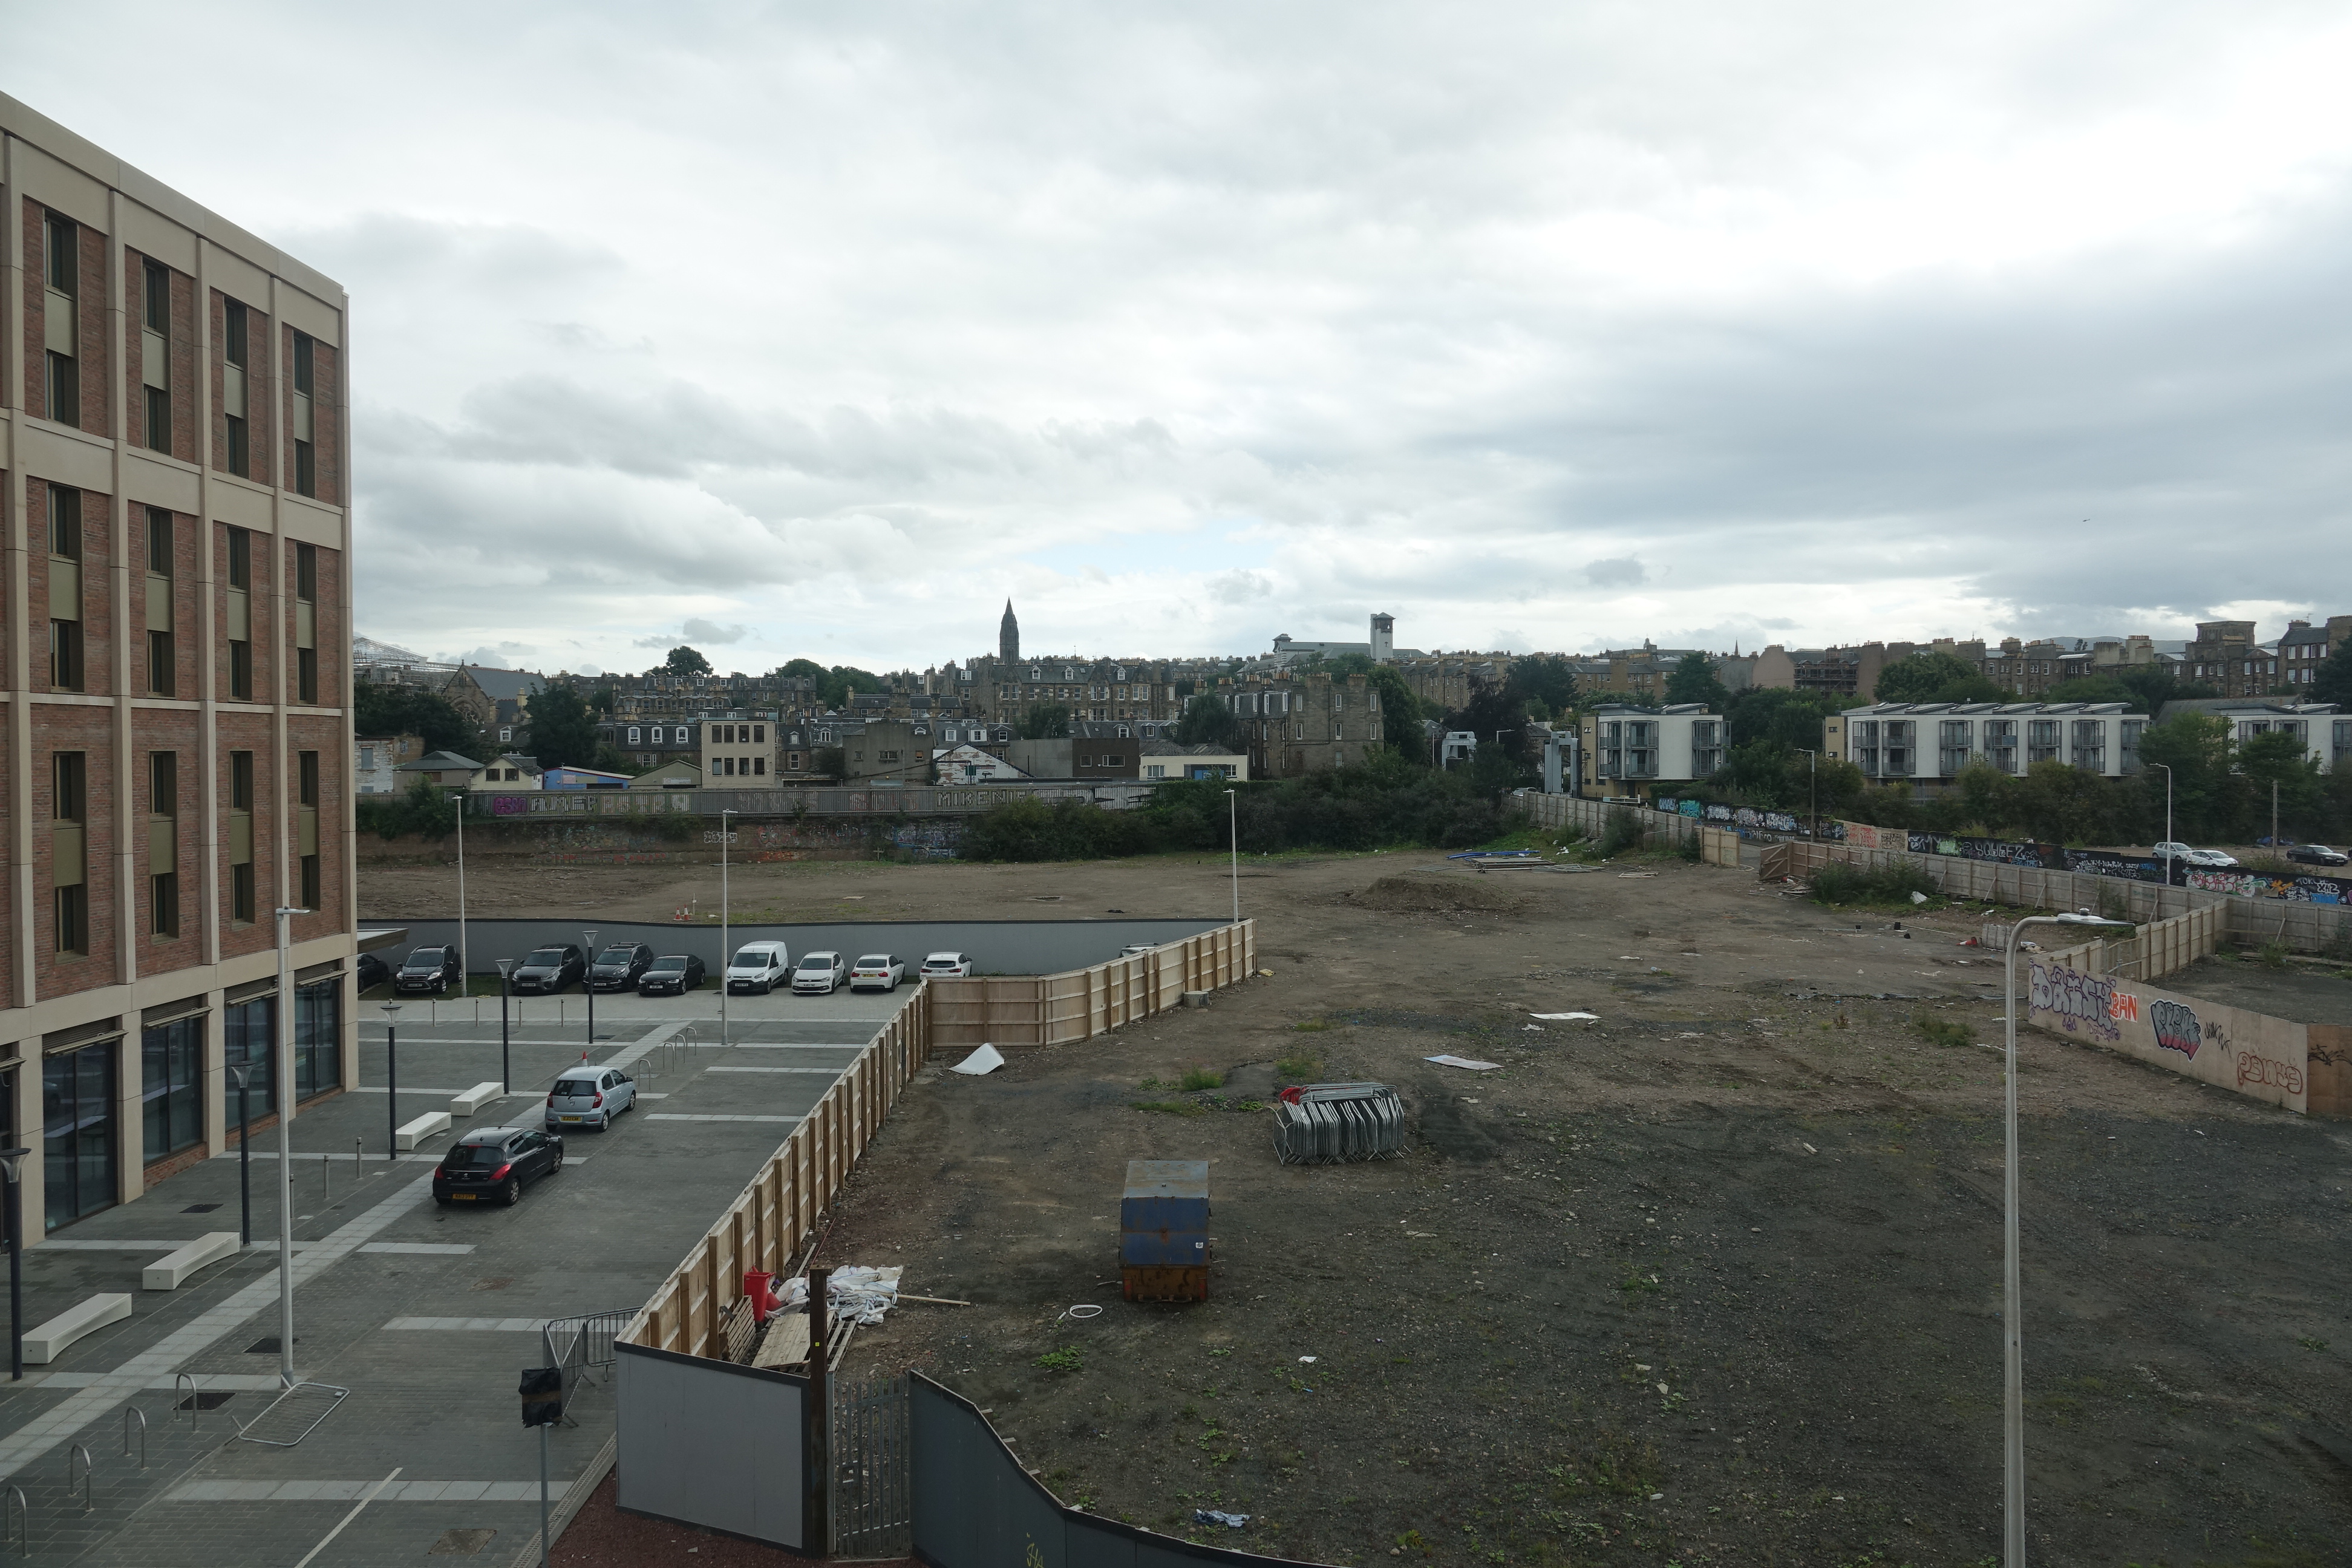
976	1507
708	1443
997	947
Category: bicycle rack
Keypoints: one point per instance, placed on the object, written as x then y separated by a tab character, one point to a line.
189	1379
14	1505
87	1504
128	1412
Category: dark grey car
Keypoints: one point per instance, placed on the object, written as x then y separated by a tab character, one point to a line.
548	969
619	967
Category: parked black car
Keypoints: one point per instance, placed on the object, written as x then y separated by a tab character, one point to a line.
548	969
430	969
491	1164
672	974
373	971
2318	855
620	968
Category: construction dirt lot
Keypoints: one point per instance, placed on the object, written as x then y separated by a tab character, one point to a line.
1715	1279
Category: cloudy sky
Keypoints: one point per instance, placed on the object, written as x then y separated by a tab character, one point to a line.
822	330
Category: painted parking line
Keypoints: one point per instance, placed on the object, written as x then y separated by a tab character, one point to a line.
352	1491
111	1246
682	1116
768	1046
821	1072
480	1325
420	1248
208	1382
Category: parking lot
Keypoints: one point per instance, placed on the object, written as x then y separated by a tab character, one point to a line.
426	1314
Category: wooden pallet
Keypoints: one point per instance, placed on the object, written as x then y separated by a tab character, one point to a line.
1182	1283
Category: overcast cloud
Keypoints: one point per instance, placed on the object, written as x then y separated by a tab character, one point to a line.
822	330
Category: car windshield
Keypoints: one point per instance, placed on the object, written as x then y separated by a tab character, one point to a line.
428	960
616	955
476	1156
576	1087
818	960
752	958
667	965
546	957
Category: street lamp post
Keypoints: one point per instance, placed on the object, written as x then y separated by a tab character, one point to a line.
2167	819
392	1080
506	1072
243	1073
588	984
281	1080
10	1159
725	919
1813	793
1233	831
2012	1350
465	954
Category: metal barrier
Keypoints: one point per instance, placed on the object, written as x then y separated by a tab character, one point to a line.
578	1344
128	1412
871	1501
12	1506
87	1504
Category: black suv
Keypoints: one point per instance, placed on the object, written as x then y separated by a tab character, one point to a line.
548	969
2317	855
490	1164
672	974
429	969
620	968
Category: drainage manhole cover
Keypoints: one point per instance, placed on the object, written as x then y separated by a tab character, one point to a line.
200	1208
459	1542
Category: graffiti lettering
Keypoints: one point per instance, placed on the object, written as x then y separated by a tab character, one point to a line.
2177	1027
2080	1002
2283	1075
2124	1006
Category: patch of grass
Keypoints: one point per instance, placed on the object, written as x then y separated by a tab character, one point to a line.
1168	1107
2311	1344
1622	832
1300	1068
1633	1283
1200	1078
1941	1031
1690	849
1312	1026
1839	884
2271	866
2273	954
1067	1359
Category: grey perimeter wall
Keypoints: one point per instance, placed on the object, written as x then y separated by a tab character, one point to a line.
710	1443
997	947
976	1507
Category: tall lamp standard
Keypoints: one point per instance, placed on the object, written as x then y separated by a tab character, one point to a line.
1233	830
10	1159
392	1080
726	834
588	984
282	1084
506	1072
465	954
243	1073
1813	792
2168	818
2012	1352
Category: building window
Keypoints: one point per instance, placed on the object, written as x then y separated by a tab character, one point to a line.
163	843
307	812
155	353
172	1063
61	242
246	1031
2041	741
240	837
317	1038
163	679
68	849
306	464
633	735
240	614
1898	751
1952	746
77	1133
2001	743
233	355
1863	741
65	588
2130	746
306	624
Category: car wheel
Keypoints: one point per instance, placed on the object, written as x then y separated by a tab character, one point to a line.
446	1203
557	1163
510	1192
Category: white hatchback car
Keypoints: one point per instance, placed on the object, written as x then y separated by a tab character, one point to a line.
947	965
757	968
819	974
878	972
589	1096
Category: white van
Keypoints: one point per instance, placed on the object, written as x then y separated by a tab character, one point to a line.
756	968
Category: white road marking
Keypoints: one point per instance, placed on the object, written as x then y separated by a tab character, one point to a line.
827	1072
483	1325
681	1115
345	1491
421	1249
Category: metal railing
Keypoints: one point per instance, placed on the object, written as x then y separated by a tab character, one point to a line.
873	1512
579	1345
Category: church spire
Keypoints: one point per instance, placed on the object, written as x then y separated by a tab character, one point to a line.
1008	636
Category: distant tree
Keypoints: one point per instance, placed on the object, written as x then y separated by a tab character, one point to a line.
1498	717
604	700
808	669
2279	759
1207	721
1932	675
2332	682
684	661
827	762
563	730
1548	679
378	709
2102	688
1400	712
2196	747
1043	721
612	760
1694	681
1793	719
2157	684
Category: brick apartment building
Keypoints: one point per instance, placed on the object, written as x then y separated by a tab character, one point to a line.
1307	723
172	453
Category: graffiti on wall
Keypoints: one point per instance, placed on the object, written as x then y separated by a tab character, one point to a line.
2269	1072
2177	1028
2256	885
2081	1003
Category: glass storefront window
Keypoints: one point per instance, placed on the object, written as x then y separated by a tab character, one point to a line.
172	1062
245	1038
78	1132
317	1038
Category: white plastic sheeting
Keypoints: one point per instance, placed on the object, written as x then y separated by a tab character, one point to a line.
858	1294
988	1059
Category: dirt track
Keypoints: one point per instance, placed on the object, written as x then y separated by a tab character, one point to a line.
1714	1281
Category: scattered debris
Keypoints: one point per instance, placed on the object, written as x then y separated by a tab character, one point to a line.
1332	1123
1307	1361
1918	897
1451	1061
1634	876
1567	1017
986	1059
1217	1516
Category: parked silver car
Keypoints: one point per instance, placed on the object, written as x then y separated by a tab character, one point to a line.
820	973
589	1096
878	972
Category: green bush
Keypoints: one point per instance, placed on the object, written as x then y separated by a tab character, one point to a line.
2273	956
1300	1068
1941	1031
1839	883
1622	832
1200	1078
425	810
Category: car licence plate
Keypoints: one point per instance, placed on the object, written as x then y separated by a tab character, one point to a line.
569	1119
468	1197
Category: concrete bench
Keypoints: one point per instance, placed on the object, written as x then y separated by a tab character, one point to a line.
49	1341
424	1127
471	1102
171	1272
